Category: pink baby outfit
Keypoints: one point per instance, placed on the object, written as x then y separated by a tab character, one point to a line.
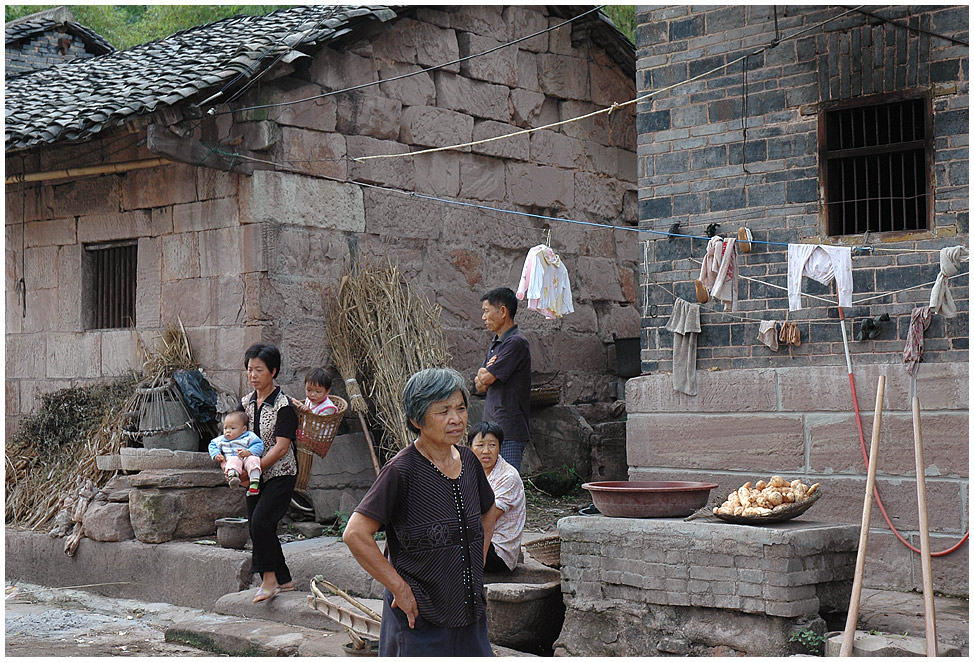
544	282
323	408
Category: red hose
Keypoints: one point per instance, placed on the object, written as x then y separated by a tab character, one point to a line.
879	502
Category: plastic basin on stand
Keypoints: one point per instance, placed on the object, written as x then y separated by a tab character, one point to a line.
626	498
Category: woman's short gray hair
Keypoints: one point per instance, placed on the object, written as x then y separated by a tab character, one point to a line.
429	386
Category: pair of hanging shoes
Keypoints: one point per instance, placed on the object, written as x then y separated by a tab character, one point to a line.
870	328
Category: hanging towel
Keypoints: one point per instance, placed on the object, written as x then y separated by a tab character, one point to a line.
913	353
544	282
768	334
685	325
718	271
941	300
822	263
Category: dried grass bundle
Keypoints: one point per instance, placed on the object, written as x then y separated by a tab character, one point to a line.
172	353
392	332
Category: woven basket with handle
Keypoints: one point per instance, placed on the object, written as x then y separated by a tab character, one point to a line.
314	437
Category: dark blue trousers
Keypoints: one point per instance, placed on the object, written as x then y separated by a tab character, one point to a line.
428	640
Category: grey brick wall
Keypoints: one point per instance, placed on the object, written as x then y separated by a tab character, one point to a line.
695	168
43	52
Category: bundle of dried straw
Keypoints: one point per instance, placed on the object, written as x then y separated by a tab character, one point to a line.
382	331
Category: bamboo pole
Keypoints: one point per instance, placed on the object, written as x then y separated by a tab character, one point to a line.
849	635
68	173
929	614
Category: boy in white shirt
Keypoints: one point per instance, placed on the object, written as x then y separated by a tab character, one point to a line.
317	386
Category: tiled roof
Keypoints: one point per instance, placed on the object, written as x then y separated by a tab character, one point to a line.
29	26
78	99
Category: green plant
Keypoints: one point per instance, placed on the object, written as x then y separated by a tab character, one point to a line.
812	641
337	528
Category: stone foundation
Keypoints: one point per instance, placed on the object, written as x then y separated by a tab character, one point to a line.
654	587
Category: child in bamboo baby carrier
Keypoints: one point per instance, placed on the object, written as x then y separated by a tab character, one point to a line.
238	452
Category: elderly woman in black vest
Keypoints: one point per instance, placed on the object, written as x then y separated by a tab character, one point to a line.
431	499
274	420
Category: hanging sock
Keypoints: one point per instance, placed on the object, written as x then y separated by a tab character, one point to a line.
913	353
941	300
821	263
685	325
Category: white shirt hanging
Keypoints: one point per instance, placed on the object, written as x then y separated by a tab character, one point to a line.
544	282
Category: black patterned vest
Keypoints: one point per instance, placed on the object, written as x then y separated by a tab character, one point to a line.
287	465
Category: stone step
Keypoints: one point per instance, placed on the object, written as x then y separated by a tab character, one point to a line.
868	644
109	462
141	459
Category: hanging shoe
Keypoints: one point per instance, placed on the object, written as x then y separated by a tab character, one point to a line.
744	239
702	295
866	330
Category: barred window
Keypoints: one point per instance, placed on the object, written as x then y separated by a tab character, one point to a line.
874	166
109	285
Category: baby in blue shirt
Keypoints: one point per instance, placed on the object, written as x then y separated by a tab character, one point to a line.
238	452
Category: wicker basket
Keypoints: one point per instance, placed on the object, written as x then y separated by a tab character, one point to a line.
546	550
314	437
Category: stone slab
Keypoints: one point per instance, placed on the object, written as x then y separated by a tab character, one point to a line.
108	522
109	462
140	459
867	644
161	515
188	478
180	573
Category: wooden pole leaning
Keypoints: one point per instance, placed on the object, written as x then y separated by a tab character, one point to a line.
929	613
849	635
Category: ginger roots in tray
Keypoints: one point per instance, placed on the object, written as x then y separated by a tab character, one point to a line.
765	497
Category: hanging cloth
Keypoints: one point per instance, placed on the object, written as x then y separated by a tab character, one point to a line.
821	263
768	334
941	300
685	325
544	283
913	353
718	271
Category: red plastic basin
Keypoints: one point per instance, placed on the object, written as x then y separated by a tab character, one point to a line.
627	498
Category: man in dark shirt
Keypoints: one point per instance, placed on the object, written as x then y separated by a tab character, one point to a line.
506	374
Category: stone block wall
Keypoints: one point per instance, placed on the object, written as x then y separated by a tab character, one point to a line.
239	258
746	425
697	167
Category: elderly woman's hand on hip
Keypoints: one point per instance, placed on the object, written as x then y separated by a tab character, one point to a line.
405	600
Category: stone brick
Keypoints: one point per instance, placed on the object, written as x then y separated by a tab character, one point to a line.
160	515
524	21
212	183
180	256
435	127
397	172
438	173
73	355
597	280
482	178
721	392
479	99
527	71
540	186
499	66
314	153
158	187
148	279
26	356
188	299
208	215
366	114
108	522
480	19
119	353
415	90
759	443
291	199
508	148
833	443
123	225
555	149
58	232
563	77
609	85
339	69
318	114
599	194
98	195
395	216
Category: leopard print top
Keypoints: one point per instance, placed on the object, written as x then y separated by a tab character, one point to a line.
286	465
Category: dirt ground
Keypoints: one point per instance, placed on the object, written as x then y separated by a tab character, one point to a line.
544	511
44	622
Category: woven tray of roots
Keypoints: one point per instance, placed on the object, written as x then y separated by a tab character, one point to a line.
781	514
